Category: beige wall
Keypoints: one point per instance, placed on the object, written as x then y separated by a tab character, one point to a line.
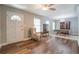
0	24
78	19
28	21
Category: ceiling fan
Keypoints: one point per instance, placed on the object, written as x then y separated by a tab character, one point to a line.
48	7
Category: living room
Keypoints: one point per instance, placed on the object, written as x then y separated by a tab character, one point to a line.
50	24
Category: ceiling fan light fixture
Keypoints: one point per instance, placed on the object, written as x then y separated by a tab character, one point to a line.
44	8
47	7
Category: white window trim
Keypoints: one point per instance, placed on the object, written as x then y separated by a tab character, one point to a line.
37	25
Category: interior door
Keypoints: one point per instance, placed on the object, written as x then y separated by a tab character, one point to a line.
20	28
15	30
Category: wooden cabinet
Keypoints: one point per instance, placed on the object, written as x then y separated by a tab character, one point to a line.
65	25
45	27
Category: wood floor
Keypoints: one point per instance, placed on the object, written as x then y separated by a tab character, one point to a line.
50	46
20	48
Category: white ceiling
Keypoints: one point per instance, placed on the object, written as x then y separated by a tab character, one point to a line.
62	10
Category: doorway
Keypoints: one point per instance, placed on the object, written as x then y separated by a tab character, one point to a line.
15	28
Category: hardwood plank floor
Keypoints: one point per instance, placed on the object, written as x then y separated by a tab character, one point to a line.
19	47
50	46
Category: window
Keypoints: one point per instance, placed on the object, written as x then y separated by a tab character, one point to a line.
47	22
53	25
37	24
47	25
15	17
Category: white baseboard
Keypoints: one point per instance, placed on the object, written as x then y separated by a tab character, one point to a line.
14	42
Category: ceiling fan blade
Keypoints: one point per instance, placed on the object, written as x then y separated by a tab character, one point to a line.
50	5
47	5
52	9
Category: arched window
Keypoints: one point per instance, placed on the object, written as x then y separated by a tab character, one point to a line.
16	17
